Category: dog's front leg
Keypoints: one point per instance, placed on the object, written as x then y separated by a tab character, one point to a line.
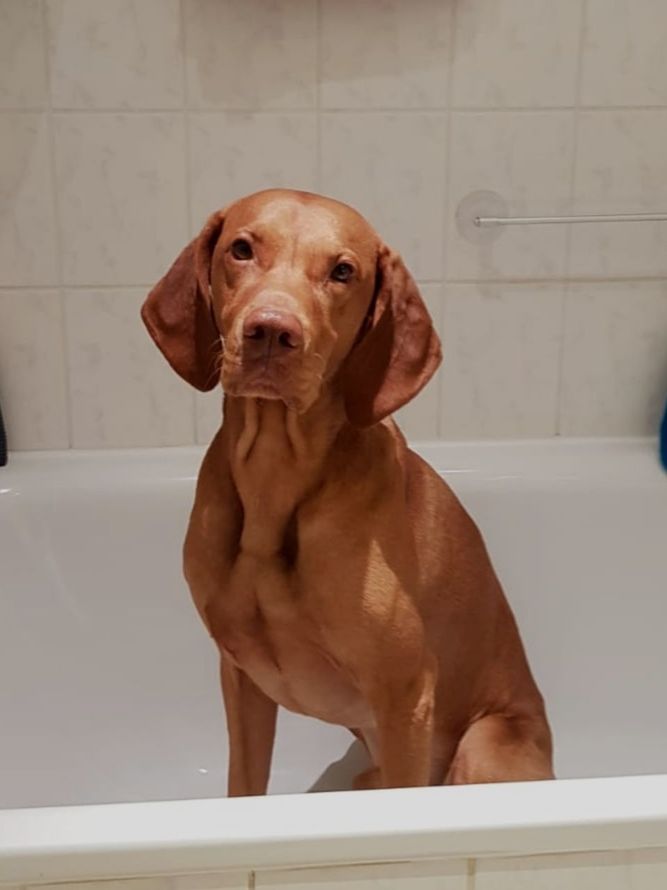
251	724
404	719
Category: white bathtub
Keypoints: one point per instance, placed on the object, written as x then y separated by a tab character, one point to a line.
111	726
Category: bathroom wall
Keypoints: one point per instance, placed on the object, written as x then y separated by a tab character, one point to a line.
124	122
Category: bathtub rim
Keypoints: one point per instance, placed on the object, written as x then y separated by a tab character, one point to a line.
56	844
616	459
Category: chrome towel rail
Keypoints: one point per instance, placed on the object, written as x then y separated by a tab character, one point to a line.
489	221
482	216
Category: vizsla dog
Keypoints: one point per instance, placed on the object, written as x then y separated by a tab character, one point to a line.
337	573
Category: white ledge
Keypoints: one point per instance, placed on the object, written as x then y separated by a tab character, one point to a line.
123	840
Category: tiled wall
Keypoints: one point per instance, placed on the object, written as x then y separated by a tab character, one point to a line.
625	870
124	122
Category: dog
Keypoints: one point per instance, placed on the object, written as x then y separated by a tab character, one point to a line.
337	573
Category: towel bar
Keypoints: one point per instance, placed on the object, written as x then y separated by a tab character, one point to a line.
484	221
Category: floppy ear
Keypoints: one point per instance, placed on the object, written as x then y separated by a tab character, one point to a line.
398	351
179	315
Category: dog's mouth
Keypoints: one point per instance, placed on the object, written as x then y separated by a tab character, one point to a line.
261	385
266	378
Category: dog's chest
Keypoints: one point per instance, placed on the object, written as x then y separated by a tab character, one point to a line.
265	626
269	617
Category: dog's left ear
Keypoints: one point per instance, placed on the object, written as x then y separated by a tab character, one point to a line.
397	353
179	315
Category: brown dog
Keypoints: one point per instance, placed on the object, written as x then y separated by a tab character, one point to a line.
336	571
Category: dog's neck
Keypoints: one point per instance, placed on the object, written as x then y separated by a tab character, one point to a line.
276	457
255	423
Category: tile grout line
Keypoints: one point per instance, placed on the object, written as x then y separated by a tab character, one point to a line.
471	874
575	132
471	282
308	109
558	419
187	163
556	279
318	95
453	20
86	286
186	119
48	112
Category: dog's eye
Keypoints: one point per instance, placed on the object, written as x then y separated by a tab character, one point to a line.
241	249
342	272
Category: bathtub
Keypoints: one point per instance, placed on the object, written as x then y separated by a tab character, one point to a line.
112	738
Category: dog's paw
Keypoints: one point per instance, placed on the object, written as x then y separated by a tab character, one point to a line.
369	779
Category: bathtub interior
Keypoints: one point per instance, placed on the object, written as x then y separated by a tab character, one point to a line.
108	683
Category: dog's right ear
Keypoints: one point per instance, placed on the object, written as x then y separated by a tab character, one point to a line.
179	314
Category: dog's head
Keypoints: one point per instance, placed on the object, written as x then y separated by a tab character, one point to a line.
284	293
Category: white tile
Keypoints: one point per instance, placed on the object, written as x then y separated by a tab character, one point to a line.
388	55
514	53
116	54
32	369
500	373
391	168
27	218
123	392
248	54
647	869
208	415
526	159
226	880
22	62
404	876
624	59
420	419
235	153
621	167
615	358
121	182
642	870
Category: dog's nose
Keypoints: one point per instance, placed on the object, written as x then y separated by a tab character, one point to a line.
266	330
